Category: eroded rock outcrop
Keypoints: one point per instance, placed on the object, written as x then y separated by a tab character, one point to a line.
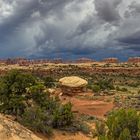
111	60
72	85
84	60
11	130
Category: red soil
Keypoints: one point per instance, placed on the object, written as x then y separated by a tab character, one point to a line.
90	107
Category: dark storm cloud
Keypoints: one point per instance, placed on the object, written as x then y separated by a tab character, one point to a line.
50	28
107	10
135	48
21	13
90	23
84	27
59	37
131	39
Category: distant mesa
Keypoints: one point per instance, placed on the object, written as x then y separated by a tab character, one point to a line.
26	62
72	85
57	60
84	60
20	61
111	60
134	60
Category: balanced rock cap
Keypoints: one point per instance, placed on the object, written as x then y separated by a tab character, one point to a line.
73	81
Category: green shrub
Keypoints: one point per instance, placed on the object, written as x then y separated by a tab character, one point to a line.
103	138
106	84
63	116
16	82
96	88
124	89
100	128
123	125
37	120
134	84
23	96
13	92
125	135
42	98
117	88
49	82
102	84
83	127
121	89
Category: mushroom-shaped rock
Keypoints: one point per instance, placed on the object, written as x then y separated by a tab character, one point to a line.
72	84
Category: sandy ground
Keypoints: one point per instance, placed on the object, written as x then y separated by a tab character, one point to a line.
77	136
90	107
60	135
82	106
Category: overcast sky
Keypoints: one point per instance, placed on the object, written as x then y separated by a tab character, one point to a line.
70	28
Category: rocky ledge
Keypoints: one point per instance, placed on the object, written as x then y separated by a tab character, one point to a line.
11	130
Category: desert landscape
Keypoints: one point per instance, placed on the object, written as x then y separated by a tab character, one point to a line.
69	69
89	90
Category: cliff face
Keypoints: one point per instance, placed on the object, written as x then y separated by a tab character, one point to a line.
11	130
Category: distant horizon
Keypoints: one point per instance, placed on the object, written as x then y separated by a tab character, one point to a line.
67	59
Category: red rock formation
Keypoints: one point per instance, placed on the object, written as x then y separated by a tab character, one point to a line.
134	60
25	62
2	61
19	61
57	60
110	60
84	60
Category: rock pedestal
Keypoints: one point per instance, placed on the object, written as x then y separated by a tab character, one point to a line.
72	85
